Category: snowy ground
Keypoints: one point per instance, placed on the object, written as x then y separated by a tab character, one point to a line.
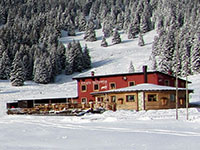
121	130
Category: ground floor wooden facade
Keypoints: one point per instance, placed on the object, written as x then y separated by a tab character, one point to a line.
140	100
142	97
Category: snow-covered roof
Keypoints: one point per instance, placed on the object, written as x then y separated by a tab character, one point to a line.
142	87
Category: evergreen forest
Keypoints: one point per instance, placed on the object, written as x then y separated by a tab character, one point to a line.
30	32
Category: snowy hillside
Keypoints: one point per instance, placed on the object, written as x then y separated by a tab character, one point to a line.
112	130
109	60
113	59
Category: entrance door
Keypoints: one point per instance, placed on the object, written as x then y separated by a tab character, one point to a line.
141	101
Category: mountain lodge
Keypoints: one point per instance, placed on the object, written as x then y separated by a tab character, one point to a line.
134	91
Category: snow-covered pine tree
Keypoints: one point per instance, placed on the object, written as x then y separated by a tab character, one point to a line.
28	68
90	34
107	26
94	10
131	68
61	54
104	42
185	57
42	70
5	66
144	26
55	62
127	20
2	47
17	75
74	58
69	60
120	21
154	62
140	40
134	27
145	19
195	54
131	33
86	58
82	22
165	63
78	64
116	37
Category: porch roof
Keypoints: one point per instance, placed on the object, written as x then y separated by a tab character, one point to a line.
142	87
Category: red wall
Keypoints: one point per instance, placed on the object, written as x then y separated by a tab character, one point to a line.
104	82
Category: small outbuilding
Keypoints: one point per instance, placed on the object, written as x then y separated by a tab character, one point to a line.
141	97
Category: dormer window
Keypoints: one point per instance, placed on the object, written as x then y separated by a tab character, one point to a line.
112	86
131	83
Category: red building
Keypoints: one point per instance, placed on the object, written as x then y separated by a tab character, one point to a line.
89	84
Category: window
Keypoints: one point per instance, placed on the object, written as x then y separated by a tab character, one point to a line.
152	97
96	87
172	97
84	100
113	99
166	82
83	88
112	86
130	98
131	83
100	99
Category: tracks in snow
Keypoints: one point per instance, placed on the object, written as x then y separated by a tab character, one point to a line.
57	123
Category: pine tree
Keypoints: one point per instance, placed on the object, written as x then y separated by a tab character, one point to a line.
82	22
61	50
42	70
69	60
78	58
74	58
90	34
141	40
5	66
195	54
103	42
120	21
127	20
165	64
17	75
131	33
86	57
145	22
28	68
144	26
134	27
107	26
131	68
116	37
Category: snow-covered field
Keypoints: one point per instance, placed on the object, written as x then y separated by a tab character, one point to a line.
121	130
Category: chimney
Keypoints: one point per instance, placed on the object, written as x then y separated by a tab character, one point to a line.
92	73
145	74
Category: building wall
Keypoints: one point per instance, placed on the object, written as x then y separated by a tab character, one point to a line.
163	101
121	82
105	84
